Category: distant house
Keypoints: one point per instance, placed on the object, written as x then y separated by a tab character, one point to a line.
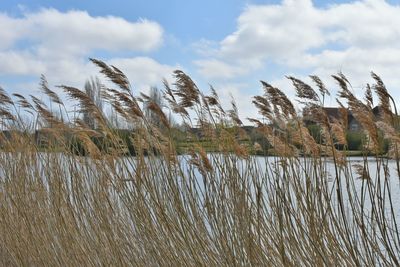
335	113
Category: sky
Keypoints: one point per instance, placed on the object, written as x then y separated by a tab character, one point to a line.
231	45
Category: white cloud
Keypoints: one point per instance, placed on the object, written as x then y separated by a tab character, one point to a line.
274	31
368	23
354	38
243	99
205	47
20	63
78	32
214	68
58	45
144	72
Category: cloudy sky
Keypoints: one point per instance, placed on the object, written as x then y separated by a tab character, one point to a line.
230	44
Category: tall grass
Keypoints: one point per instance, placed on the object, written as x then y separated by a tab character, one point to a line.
308	205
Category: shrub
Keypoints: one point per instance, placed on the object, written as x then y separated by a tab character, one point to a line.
355	140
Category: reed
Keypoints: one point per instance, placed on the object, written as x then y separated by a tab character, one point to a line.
307	205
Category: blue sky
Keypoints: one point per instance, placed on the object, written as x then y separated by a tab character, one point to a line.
230	44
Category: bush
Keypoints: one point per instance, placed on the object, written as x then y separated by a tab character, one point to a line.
315	131
355	140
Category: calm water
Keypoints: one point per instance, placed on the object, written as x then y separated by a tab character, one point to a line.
259	166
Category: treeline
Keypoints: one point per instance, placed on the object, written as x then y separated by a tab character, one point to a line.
101	107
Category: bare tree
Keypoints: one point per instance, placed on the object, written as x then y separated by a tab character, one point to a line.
156	97
93	90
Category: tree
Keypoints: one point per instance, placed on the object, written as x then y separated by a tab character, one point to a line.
155	97
93	90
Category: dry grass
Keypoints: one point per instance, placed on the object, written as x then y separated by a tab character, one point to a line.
222	209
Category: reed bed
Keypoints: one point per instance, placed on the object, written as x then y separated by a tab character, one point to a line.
307	205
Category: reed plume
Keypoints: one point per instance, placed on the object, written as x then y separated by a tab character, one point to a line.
155	195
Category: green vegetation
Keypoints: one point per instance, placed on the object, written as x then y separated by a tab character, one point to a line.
73	195
355	140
